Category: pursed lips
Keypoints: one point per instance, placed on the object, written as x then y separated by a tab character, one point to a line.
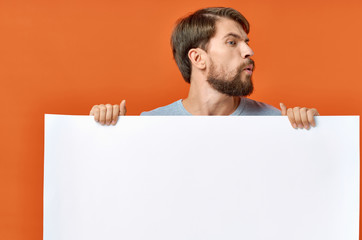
249	68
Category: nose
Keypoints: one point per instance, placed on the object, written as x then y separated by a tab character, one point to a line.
246	51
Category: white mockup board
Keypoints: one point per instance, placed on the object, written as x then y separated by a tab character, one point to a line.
201	178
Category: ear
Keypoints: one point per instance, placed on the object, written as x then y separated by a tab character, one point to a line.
197	57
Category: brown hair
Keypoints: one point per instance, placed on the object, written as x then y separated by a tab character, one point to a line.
196	30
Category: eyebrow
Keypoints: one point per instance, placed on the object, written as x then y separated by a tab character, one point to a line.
235	36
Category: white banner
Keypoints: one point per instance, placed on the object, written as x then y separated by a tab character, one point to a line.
201	178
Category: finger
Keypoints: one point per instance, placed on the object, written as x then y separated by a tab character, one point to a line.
304	117
96	113
115	114
291	117
311	113
315	112
122	108
91	113
297	118
284	109
102	114
109	111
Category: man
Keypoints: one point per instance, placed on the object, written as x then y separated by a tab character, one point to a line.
211	50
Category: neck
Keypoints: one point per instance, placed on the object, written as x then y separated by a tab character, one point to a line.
204	100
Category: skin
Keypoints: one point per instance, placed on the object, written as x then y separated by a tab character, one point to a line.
227	50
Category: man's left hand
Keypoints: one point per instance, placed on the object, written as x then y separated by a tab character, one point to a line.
300	117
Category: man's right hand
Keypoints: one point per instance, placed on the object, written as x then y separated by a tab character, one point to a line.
107	113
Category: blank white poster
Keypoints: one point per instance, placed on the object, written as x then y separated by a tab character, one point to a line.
201	178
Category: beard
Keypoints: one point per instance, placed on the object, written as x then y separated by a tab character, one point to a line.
232	84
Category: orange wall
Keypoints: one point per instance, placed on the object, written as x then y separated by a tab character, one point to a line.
65	56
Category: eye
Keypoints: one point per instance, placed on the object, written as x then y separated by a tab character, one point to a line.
231	43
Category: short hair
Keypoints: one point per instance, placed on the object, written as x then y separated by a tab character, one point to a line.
195	31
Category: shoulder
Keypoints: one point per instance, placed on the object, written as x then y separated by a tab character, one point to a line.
173	109
252	107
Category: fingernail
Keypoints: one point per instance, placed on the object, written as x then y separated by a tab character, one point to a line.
294	125
113	122
300	126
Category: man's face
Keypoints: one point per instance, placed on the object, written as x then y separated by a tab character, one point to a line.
230	66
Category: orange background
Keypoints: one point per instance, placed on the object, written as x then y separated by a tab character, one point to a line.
65	56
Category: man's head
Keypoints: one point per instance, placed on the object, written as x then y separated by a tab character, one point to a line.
221	34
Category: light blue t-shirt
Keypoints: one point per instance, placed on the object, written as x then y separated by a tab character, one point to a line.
247	107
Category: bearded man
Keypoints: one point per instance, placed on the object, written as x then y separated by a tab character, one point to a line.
211	50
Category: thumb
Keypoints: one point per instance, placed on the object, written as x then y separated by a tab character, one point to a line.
284	109
122	108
